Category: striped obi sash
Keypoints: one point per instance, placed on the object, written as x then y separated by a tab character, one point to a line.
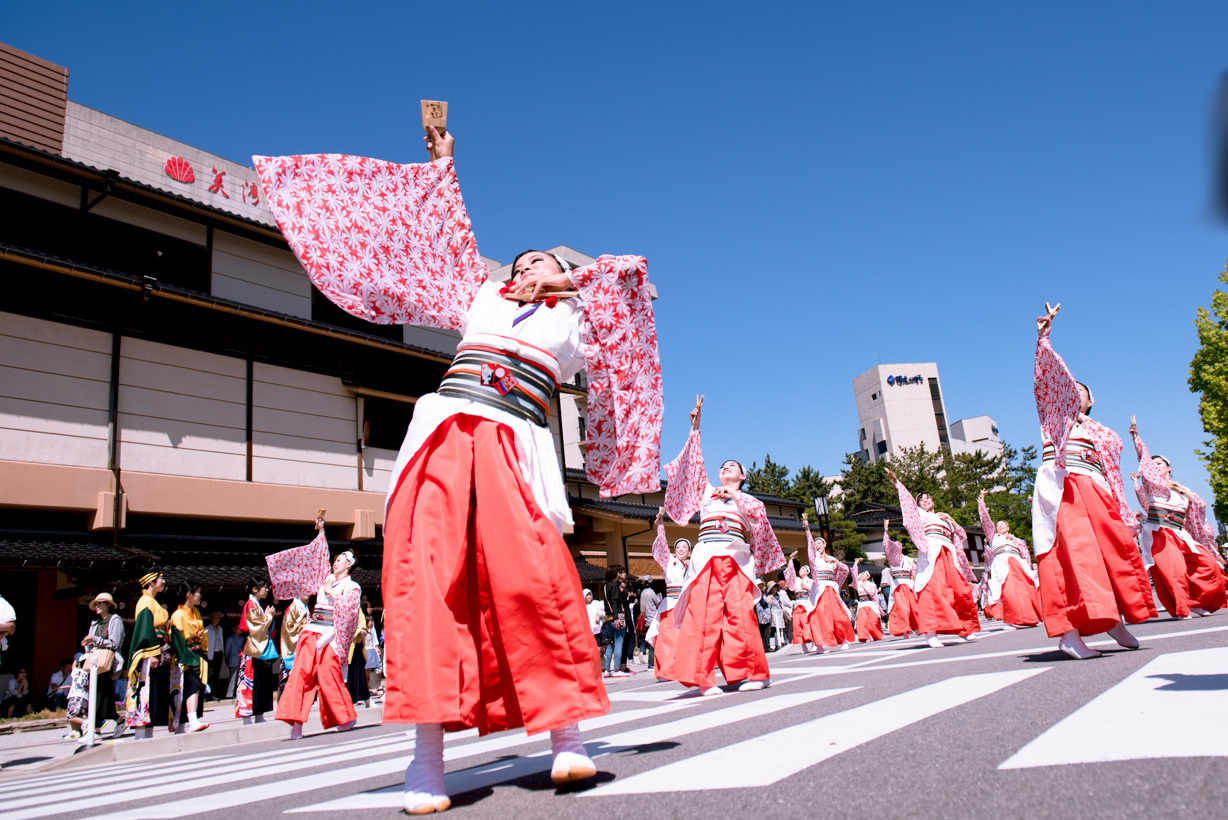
937	530
1081	456
485	373
863	597
825	575
1009	549
673	591
900	573
722	525
1163	515
322	615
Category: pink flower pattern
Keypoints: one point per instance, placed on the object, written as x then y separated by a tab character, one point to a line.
299	571
1057	397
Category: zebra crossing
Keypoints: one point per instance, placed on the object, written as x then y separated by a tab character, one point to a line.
660	741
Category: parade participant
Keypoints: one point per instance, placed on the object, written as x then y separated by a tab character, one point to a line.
944	577
393	244
296	616
715	613
902	602
190	669
1092	577
869	616
802	608
147	701
1011	590
677	569
322	649
828	621
356	662
1186	574
254	693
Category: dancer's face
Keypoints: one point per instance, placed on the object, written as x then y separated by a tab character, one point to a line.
682	551
926	502
805	572
731	474
535	264
1003	528
1085	400
1165	470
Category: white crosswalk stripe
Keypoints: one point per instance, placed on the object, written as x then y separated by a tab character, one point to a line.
1171	690
1159	711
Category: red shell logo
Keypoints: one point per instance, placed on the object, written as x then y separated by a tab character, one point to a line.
178	168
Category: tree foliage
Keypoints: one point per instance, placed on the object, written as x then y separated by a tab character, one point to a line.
771	478
1209	377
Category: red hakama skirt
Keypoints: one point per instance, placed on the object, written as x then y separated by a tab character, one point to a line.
719	627
902	619
1019	603
869	625
1093	575
945	605
829	621
315	669
666	640
801	625
492	638
1184	577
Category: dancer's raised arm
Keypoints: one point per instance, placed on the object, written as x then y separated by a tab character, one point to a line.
660	546
687	476
894	550
912	516
1057	392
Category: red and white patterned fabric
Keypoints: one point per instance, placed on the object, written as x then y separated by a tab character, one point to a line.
299	571
987	524
393	244
1154	483
961	554
1057	397
660	548
342	599
688	488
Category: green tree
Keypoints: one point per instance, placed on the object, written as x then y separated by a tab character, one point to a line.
771	478
1209	377
861	482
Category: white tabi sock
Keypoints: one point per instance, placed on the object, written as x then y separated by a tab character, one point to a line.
754	685
296	731
931	638
712	690
1072	644
571	762
1123	637
424	791
1199	611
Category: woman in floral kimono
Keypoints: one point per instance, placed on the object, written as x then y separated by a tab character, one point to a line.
476	503
1011	589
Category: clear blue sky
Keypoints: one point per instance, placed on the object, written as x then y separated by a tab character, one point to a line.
818	187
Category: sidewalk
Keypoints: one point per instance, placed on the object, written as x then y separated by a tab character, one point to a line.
49	750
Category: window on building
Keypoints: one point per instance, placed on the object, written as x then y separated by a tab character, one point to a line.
94	240
583	428
862	436
384	422
940	416
873	397
882	448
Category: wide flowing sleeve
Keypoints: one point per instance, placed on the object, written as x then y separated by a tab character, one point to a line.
1057	397
1153	482
299	571
660	548
763	544
912	518
1196	524
625	399
961	554
687	481
987	524
894	551
1023	550
842	573
1108	445
388	243
345	620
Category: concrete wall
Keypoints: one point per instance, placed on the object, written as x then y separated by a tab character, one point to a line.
303	429
258	274
377	463
182	412
54	392
905	411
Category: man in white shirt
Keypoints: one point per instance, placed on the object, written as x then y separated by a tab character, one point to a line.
596	612
216	640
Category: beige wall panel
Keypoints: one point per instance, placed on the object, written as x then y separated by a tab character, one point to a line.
303	474
151	220
315	403
272	374
261	275
161	432
48	448
53	388
183	381
184	462
249	293
28	182
441	341
60	419
51	357
303	426
183	357
295	448
11	324
50	486
377	464
157	404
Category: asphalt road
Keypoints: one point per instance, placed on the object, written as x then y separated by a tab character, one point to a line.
1002	727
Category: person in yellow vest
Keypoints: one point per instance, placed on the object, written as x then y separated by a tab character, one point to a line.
148	672
189	644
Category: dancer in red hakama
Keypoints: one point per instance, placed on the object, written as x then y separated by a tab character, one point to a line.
1012	591
1092	577
869	616
902	600
802	608
828	621
677	569
715	613
944	577
1186	573
484	613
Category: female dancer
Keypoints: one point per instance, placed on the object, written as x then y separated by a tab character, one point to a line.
869	616
1013	595
715	612
1186	575
663	633
477	489
802	608
828	621
1092	577
190	670
944	577
902	605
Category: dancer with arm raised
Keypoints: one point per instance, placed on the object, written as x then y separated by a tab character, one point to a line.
1013	595
902	606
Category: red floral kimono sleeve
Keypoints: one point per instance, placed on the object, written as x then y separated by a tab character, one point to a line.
763	545
388	243
912	518
299	571
687	481
625	399
1057	397
660	548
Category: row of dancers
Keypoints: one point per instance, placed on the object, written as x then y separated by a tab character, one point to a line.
485	620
